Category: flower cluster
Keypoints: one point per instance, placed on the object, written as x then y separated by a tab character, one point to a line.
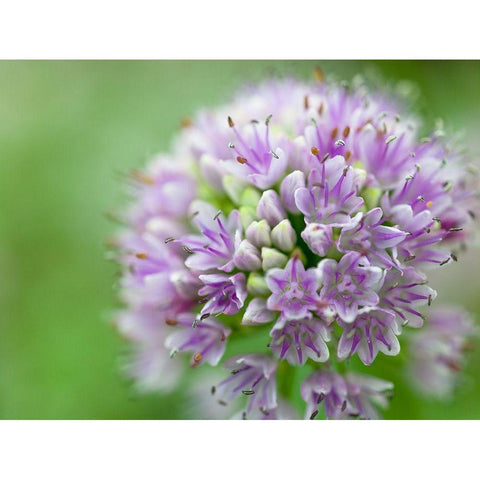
304	217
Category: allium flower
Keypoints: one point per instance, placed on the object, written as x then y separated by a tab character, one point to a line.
291	229
294	289
352	396
438	351
252	376
350	284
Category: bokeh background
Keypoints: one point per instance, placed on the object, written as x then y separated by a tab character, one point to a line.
67	129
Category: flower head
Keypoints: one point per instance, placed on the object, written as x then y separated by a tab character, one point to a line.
288	230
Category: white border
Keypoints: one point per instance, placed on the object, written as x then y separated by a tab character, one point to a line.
238	450
207	29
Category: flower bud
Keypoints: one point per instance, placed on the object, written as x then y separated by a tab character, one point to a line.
318	237
250	197
272	258
233	187
258	233
270	208
288	187
257	313
256	285
247	257
284	236
247	216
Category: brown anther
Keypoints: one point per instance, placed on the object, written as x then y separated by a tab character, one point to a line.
346	132
168	240
409	258
306	104
344	405
454	257
197	357
318	74
429	300
187	249
320	109
348	155
186	122
334	133
242	160
314	414
315	151
429	203
171	321
141	177
141	255
230	122
213	390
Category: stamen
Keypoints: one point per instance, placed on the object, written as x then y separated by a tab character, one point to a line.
346	132
305	102
242	160
230	122
171	321
187	249
390	139
141	255
318	74
168	240
315	151
314	414
248	392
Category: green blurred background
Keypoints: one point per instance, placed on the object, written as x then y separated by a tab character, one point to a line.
66	129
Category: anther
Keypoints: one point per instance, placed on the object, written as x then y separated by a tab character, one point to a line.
197	357
390	139
274	155
454	257
314	414
244	415
242	160
186	122
409	258
248	392
171	321
344	405
320	109
141	255
204	316
455	229
315	151
444	262
213	389
267	120
348	155
168	240
230	122
346	132
318	74
222	403
429	300
217	215
334	133
305	102
325	157
187	249
320	398
429	204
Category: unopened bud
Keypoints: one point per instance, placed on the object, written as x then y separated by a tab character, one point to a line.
284	236
270	208
272	258
258	233
247	257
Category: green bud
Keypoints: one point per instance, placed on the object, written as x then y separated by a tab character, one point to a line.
250	197
284	236
234	188
247	215
272	258
259	233
257	286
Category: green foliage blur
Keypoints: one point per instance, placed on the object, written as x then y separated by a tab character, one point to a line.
67	130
